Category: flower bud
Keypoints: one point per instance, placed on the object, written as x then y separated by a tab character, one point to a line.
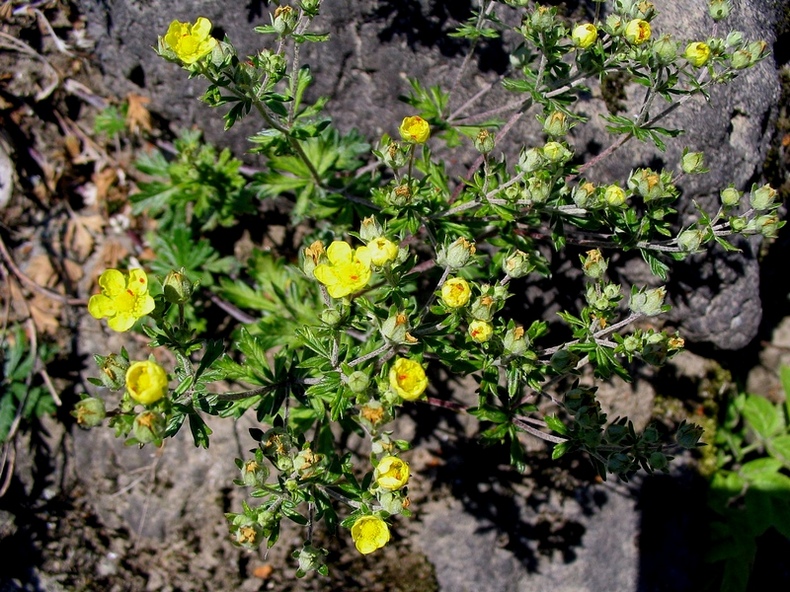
373	413
370	229
762	198
456	255
730	197
690	240
481	331
247	533
414	130
331	317
310	7
306	463
688	435
555	125
358	382
583	36
484	141
719	9
693	163
538	188
615	24
112	370
676	342
382	251
645	10
738	223
740	59
146	382
399	196
177	287
734	39
395	328
647	183
637	31
391	473
530	160
649	302
697	53
584	196
391	503
515	341
309	558
148	427
757	50
394	155
767	225
89	412
272	63
614	196
555	152
631	344
482	308
594	265
456	292
284	20
313	256
665	49
541	20
253	473
518	264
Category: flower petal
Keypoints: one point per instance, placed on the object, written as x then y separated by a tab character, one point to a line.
112	282
339	252
121	322
99	306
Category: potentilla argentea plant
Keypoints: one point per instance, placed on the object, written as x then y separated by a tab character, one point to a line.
406	272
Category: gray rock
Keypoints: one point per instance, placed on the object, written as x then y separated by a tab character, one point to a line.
376	45
470	554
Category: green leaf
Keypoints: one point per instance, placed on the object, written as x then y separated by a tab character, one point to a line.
779	448
488	413
767	504
555	425
763	417
560	450
759	467
784	375
657	267
200	431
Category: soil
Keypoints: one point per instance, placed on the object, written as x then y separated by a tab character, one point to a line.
78	511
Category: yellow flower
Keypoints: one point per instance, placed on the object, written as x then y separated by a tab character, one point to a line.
614	196
584	36
370	533
146	382
348	270
637	31
122	299
481	331
392	473
697	53
456	292
382	251
190	42
414	130
407	379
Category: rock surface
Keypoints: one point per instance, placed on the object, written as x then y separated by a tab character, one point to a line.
375	46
